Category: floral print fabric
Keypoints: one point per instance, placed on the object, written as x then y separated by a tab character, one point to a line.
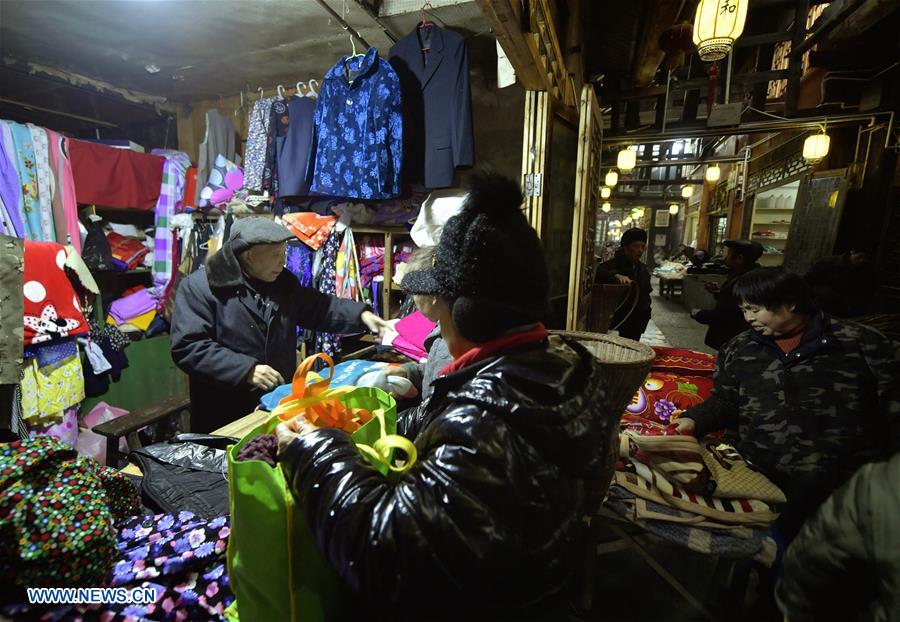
257	140
326	342
41	146
358	144
25	163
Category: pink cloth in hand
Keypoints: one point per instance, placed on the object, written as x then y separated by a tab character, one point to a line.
413	329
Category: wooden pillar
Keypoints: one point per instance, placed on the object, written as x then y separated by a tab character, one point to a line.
706	193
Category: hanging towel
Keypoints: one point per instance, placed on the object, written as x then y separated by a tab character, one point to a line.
25	163
42	164
171	195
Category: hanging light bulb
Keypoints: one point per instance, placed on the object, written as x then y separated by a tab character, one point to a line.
687	191
673	209
815	147
612	178
713	173
626	160
605	191
717	24
606	207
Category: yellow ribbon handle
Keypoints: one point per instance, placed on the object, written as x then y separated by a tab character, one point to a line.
380	451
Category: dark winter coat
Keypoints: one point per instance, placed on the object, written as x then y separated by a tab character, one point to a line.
810	418
488	520
845	564
635	322
842	289
726	320
222	328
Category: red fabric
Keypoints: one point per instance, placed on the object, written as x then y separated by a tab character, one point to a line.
127	250
309	227
687	362
113	177
485	350
52	310
664	397
413	330
190	189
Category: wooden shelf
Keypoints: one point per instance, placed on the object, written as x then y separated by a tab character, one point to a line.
379	230
770	237
774	209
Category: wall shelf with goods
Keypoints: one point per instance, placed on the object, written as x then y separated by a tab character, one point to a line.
773	211
390	237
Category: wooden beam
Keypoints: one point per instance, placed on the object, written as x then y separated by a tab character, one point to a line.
742	79
869	14
768	39
505	19
825	24
664	14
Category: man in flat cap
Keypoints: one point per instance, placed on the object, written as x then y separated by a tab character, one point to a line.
726	320
234	329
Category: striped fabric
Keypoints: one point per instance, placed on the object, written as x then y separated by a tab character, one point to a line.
171	196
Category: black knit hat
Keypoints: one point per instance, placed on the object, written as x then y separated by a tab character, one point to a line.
633	235
489	263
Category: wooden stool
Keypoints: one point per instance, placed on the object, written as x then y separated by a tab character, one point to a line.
128	425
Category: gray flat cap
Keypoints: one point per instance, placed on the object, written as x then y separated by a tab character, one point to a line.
247	232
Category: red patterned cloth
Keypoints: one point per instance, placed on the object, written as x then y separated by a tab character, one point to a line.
126	250
687	362
52	309
310	228
665	396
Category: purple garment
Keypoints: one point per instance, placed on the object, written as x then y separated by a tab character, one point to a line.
10	187
131	306
300	262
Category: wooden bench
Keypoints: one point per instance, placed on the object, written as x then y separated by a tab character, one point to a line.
127	426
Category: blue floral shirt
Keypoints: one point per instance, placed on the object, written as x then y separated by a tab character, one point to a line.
358	146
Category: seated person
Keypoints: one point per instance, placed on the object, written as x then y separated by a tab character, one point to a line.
726	320
422	374
488	518
811	397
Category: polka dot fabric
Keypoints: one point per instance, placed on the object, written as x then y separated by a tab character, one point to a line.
51	304
57	513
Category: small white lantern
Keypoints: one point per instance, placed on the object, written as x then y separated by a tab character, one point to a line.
626	160
815	147
687	191
717	24
606	207
605	192
612	178
627	221
673	209
713	173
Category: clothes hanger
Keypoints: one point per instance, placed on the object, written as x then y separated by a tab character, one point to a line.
261	92
241	108
297	92
353	45
280	90
425	23
313	92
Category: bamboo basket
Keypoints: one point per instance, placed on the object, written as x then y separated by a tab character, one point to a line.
604	302
625	364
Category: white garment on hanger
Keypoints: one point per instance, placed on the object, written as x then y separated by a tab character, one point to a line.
95	356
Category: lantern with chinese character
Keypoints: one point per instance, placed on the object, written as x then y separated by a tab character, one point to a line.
717	24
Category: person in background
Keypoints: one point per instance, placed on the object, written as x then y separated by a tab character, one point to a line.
811	397
486	523
234	329
726	320
626	268
845	285
845	563
423	374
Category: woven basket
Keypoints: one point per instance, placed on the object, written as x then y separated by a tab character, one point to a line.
604	302
625	364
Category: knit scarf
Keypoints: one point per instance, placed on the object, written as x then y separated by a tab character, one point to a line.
490	348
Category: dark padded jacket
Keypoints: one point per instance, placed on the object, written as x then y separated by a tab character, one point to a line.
222	328
814	416
640	274
845	564
487	522
725	320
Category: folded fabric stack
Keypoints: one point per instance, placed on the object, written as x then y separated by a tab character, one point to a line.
127	253
699	494
409	336
134	311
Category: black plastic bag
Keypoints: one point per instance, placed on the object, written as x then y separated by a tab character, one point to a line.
95	250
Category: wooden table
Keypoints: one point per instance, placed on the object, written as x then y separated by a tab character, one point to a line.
668	284
236	429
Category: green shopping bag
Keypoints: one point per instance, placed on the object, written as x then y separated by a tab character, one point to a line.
274	566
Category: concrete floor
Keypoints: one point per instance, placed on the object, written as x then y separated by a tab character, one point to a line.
676	324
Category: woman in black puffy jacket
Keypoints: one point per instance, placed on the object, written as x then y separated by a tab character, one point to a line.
487	522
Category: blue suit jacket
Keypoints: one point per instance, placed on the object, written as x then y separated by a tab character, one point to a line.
437	105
